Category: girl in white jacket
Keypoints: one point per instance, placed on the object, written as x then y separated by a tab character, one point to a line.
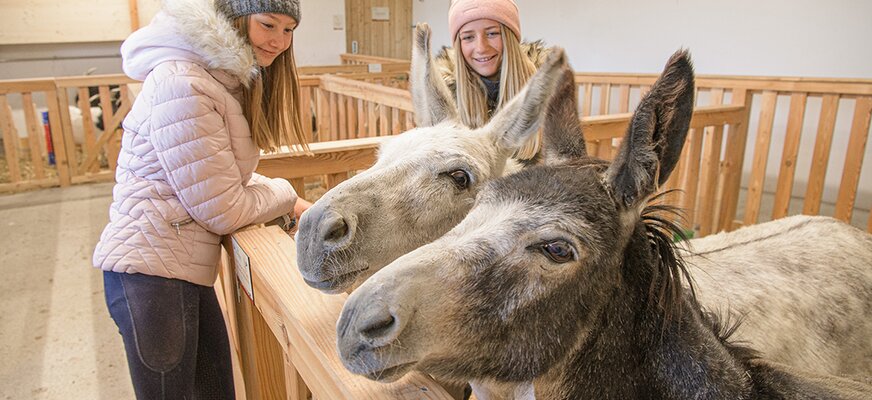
219	86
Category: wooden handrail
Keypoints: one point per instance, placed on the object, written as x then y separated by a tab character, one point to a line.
303	322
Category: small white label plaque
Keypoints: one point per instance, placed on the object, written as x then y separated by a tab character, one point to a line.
373	68
243	268
381	13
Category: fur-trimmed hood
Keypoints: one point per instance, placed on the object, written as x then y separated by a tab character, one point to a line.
537	51
189	30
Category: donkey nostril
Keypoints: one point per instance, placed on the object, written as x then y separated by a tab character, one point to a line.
336	228
378	326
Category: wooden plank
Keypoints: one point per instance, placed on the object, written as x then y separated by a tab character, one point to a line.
395	122
324	132
335	179
624	100
843	86
410	120
10	140
299	186
90	138
854	159
296	386
731	170
690	175
32	184
821	158
66	123
789	155
711	158
383	121
333	113
326	158
392	97
361	119
308	334
588	99
371	122
35	135
351	114
133	5
110	133
605	98
108	117
761	157
341	120
306	114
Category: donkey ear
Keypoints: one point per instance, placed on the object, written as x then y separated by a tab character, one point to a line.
656	134
562	139
518	120
430	96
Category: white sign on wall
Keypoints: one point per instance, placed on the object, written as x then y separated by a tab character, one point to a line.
381	13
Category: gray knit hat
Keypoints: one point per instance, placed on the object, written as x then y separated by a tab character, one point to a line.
237	8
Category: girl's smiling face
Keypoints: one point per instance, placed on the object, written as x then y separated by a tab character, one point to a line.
270	35
481	44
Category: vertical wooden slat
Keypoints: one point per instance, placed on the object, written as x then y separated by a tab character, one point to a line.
690	175
731	170
67	130
711	159
10	140
335	179
299	185
588	99
33	135
333	115
371	122
294	383
789	155
108	115
351	113
395	121
306	112
643	90
383	122
410	120
869	224
134	14
854	159
57	137
341	119
761	157
605	98
624	100
821	157
323	115
361	119
87	125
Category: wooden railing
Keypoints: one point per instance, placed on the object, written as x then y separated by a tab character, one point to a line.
817	109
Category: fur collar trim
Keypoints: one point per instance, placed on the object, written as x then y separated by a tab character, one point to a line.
212	36
537	51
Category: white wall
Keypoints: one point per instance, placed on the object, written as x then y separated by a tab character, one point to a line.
316	43
740	37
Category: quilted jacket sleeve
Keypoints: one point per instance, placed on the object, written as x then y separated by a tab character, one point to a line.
190	136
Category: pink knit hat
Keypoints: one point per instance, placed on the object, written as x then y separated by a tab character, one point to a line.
463	11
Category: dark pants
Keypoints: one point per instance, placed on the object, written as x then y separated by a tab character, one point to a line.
174	335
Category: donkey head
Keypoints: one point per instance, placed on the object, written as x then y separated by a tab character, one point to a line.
525	276
423	182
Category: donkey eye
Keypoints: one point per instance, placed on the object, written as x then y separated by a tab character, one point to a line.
558	251
460	178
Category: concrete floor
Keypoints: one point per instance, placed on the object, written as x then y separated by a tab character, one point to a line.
57	340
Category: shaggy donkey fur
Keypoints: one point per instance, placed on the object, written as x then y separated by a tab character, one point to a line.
560	277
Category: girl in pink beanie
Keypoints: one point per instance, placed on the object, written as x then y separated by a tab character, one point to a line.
490	64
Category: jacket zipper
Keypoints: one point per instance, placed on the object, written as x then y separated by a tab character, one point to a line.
178	225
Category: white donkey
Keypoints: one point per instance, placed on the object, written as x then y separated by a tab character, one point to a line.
803	303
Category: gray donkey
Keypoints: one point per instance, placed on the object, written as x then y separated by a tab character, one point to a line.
796	305
563	282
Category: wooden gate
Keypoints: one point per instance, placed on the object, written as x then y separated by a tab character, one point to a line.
379	27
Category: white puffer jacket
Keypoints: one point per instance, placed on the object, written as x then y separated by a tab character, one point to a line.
185	173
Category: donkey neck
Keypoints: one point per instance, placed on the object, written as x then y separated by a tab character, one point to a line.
635	351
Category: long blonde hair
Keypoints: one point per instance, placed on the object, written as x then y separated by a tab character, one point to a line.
515	70
271	103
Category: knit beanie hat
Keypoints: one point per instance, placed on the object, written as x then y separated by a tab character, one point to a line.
237	8
463	11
